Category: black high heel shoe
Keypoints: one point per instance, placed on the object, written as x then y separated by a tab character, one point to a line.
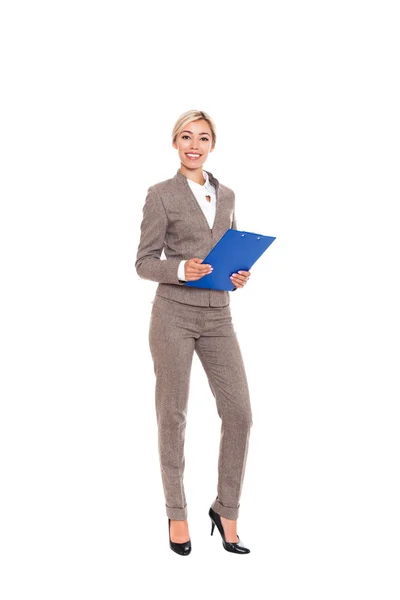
236	547
184	548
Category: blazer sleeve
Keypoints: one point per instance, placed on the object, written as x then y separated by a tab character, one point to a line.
152	239
234	226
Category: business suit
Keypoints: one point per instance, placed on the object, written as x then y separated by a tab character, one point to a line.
185	319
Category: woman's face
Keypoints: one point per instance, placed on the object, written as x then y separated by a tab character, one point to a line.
194	143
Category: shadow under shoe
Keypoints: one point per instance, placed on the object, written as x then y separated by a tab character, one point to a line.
236	547
184	548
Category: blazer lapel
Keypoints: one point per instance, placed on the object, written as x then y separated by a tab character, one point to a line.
182	179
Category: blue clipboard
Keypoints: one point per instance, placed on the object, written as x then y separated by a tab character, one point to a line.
235	251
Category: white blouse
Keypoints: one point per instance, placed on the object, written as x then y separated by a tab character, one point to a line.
208	208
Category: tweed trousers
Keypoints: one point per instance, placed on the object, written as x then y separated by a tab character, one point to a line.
177	330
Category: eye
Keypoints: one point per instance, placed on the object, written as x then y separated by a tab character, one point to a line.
203	138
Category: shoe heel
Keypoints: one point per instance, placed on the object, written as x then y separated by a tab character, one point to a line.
236	547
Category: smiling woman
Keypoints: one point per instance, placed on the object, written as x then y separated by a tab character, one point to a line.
194	140
186	216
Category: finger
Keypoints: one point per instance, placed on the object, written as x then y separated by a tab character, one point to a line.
239	280
242	278
197	264
236	283
197	274
201	268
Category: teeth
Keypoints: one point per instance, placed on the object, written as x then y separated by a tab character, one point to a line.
193	155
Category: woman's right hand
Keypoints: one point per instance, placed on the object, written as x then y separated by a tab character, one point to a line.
195	269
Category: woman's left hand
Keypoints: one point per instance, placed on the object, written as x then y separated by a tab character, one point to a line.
240	278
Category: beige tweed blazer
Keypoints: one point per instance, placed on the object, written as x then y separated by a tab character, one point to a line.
174	222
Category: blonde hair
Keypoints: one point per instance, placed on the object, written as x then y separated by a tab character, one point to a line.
194	115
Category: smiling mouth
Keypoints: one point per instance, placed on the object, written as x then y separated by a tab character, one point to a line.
192	156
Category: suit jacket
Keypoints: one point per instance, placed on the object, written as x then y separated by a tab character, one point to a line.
173	221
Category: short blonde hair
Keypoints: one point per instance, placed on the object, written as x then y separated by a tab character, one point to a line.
194	115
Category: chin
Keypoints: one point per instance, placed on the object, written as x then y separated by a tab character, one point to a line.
190	165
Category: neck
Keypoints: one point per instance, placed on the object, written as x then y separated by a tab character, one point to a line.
195	175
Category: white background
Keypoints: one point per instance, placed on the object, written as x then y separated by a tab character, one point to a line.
305	96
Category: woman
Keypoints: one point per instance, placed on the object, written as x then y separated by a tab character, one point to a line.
185	216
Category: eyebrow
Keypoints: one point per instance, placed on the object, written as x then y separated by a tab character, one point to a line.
187	131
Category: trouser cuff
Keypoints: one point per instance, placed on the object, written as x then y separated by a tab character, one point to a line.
229	512
177	514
